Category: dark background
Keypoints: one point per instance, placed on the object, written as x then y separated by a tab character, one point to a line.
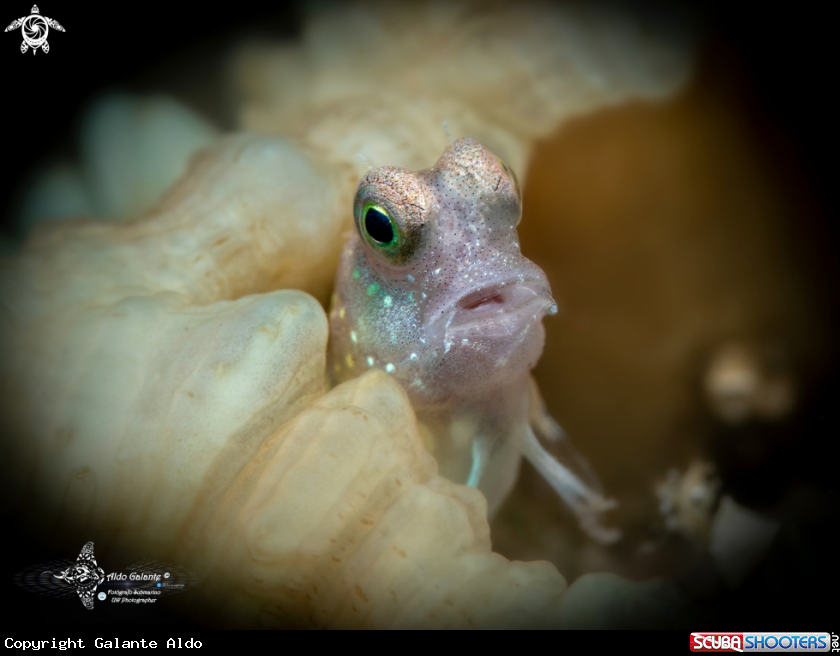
785	57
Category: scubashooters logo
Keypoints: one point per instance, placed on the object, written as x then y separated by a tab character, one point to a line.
34	29
752	642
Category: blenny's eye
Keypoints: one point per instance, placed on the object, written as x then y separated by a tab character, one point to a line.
378	225
381	229
390	210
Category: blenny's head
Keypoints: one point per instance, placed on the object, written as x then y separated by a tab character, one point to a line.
432	286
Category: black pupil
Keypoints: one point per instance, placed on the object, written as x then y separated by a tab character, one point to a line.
378	226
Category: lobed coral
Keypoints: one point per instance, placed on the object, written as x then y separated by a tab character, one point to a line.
163	379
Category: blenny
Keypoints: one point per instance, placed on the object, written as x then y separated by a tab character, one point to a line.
432	288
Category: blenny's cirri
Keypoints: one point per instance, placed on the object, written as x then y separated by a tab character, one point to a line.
433	289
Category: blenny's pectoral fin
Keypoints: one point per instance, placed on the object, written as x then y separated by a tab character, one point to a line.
586	502
560	446
479	461
566	470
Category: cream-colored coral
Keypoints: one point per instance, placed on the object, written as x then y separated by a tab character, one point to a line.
381	78
162	379
381	541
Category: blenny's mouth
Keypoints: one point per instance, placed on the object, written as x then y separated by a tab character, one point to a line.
500	310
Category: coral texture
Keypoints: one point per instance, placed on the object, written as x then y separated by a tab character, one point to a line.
162	380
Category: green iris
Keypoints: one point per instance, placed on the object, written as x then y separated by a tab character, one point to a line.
379	227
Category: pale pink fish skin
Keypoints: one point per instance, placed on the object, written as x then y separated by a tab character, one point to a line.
453	312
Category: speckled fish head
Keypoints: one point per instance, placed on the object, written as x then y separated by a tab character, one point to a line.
432	286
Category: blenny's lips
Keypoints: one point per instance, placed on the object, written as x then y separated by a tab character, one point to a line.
498	310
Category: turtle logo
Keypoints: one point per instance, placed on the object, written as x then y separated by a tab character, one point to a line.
34	29
84	575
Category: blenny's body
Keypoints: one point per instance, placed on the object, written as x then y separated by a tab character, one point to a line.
433	289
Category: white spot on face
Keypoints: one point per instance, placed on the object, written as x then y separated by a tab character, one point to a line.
410	278
413	356
353	336
437	271
423	294
390	368
465	341
387	301
341	313
370	361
